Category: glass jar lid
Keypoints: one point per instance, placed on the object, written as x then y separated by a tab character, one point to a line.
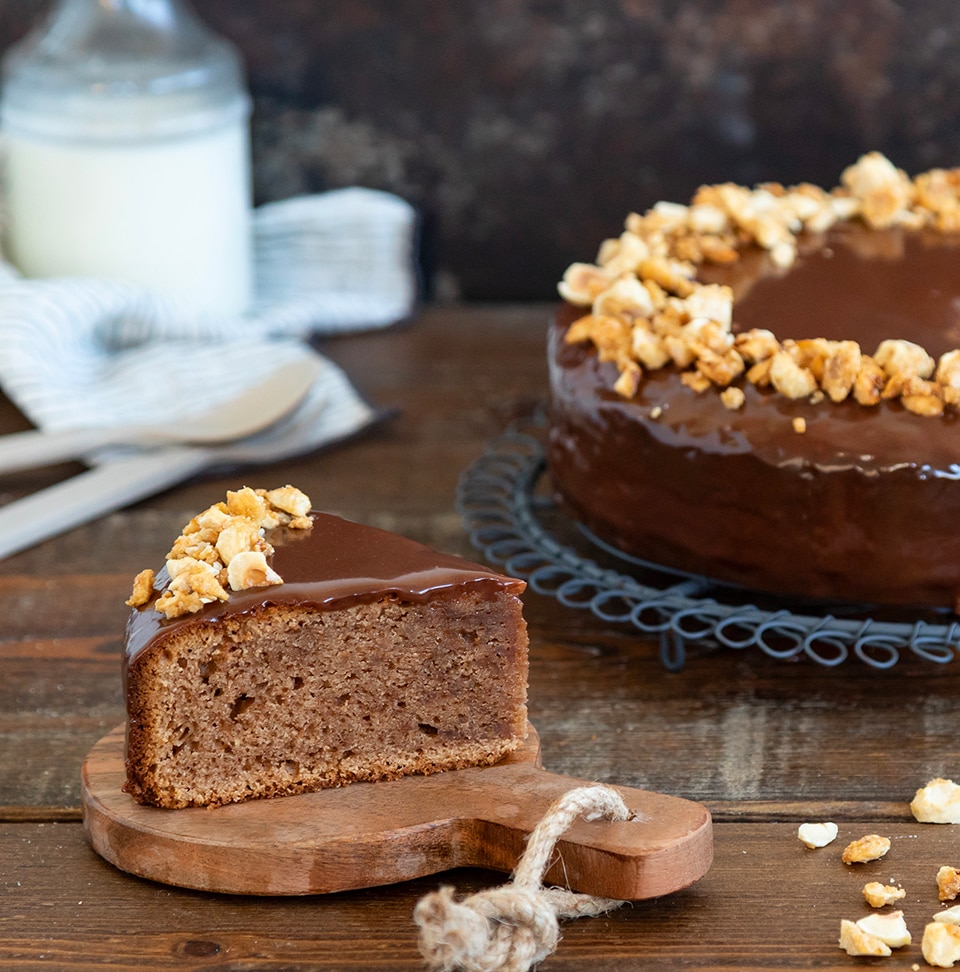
121	70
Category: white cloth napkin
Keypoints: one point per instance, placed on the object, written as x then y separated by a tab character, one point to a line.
92	353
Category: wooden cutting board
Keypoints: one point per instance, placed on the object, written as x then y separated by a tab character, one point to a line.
370	834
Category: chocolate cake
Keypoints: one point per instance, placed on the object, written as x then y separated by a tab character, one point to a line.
762	387
356	654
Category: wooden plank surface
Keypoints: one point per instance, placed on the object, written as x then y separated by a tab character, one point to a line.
767	902
764	744
742	728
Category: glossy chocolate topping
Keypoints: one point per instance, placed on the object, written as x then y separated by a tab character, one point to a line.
903	284
854	284
333	564
865	505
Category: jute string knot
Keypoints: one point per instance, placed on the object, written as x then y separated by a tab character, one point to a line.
513	927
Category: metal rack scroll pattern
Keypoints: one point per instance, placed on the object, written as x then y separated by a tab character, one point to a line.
504	516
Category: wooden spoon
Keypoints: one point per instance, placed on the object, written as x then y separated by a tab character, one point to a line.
253	410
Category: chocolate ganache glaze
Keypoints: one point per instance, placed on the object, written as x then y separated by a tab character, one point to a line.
863	506
331	565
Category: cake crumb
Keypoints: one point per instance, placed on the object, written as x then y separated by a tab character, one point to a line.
799	424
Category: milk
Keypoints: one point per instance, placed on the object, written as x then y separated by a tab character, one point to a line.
170	213
125	134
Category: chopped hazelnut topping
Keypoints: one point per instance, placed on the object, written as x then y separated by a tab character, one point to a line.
878	894
789	378
759	374
941	944
904	359
948	883
238	536
626	296
937	802
649	349
733	397
840	369
869	848
951	916
948	369
224	546
756	345
890	928
628	382
869	383
696	380
582	283
817	834
250	569
142	588
649	310
855	941
884	191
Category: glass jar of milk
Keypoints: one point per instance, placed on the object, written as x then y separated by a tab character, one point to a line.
125	129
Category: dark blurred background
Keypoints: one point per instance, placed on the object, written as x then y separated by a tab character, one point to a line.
525	131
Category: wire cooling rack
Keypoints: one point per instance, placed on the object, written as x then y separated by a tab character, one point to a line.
507	509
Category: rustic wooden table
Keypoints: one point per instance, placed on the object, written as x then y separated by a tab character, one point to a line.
764	744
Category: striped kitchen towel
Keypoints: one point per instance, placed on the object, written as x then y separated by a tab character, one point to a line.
89	352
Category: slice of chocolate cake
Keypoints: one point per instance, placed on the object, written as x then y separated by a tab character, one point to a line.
281	651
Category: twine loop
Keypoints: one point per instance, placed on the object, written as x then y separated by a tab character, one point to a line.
513	927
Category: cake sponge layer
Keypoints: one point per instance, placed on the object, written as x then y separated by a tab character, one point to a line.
284	700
